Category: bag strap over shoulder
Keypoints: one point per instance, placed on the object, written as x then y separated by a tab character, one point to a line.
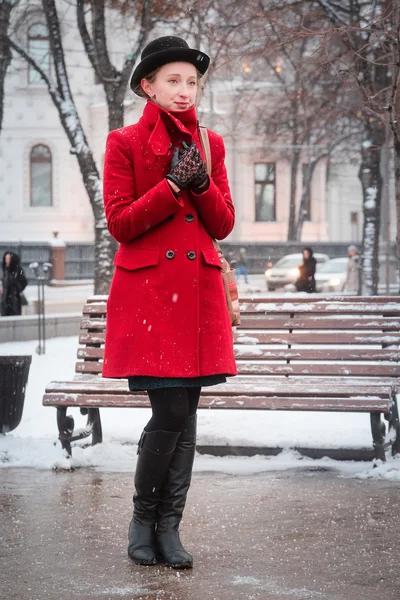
205	142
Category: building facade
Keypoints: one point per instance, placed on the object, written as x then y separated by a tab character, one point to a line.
41	188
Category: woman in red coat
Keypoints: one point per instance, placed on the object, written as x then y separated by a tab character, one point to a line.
168	327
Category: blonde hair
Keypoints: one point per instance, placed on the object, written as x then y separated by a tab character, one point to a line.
151	78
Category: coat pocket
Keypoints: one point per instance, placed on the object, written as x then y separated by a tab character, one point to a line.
137	259
211	257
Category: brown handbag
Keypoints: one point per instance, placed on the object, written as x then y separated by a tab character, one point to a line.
228	274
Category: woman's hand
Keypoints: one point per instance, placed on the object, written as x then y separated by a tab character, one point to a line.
187	167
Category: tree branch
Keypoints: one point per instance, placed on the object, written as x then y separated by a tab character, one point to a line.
106	68
50	85
145	28
53	26
85	36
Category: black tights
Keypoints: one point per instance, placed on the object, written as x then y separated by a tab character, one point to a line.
171	407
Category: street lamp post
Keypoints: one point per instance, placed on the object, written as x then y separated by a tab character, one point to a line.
42	272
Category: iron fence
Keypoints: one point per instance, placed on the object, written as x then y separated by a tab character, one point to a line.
79	261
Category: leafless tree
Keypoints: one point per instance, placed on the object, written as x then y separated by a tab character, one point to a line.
6	6
358	29
115	85
143	16
364	66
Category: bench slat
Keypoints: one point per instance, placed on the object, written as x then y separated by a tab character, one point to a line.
255	352
92	338
279	298
353	404
368	323
306	299
274	306
266	369
317	337
99	324
248	385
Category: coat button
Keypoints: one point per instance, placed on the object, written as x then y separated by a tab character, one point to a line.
191	255
170	254
189	217
170	218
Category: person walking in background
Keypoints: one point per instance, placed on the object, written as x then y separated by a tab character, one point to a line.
14	282
306	279
353	270
241	266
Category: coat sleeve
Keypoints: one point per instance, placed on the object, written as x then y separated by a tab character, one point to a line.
215	205
128	216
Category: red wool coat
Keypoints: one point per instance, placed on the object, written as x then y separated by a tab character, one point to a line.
166	312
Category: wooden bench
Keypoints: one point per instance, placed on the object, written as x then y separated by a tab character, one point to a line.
312	353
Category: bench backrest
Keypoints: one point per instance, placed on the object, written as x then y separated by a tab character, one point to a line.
284	336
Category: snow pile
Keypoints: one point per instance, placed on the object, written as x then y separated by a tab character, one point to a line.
34	442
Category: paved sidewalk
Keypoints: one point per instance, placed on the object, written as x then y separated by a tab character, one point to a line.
295	535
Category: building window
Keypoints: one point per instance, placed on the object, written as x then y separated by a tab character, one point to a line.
41	176
264	179
39	49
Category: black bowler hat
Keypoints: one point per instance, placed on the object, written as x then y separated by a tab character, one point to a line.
164	50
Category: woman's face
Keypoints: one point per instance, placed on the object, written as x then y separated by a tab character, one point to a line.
175	86
8	259
306	254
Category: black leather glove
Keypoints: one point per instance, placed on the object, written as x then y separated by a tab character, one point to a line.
200	179
186	166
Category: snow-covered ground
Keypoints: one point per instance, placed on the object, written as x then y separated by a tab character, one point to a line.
32	443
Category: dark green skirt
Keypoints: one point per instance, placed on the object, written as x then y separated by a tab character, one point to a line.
141	383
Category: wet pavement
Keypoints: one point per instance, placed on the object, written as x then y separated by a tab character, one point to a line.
296	535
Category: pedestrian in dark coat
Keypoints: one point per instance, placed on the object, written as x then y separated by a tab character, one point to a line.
306	279
14	282
168	327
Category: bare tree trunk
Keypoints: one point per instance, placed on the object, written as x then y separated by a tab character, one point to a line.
5	51
115	114
305	197
115	103
64	102
371	182
293	192
104	244
394	111
397	193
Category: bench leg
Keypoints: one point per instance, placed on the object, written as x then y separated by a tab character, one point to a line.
394	426
95	423
65	426
67	432
378	435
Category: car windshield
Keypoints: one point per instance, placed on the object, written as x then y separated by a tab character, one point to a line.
333	266
288	262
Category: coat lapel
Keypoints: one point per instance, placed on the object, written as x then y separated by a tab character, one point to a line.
159	120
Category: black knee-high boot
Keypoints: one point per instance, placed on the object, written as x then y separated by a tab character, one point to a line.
155	451
173	499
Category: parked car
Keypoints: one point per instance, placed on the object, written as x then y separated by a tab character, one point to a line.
286	270
331	276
